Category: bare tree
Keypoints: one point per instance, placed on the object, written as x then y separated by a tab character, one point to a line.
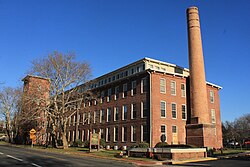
66	75
9	98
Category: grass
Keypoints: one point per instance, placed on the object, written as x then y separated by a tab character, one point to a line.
228	152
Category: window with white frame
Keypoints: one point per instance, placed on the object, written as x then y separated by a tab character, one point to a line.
133	133
94	121
83	118
124	134
102	96
124	112
174	129
115	134
83	135
116	112
144	85
144	133
108	114
107	134
116	93
211	96
213	115
174	111
163	109
163	131
125	90
183	111
133	88
163	85
183	90
89	118
102	134
88	134
101	116
133	111
144	109
109	95
173	88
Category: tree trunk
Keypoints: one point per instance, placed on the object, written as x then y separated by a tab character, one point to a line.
65	142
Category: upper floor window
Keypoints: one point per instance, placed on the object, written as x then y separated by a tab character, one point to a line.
125	90
109	94
174	112
144	109
133	111
163	109
116	112
133	88
173	88
144	85
102	96
163	85
183	111
183	90
116	92
211	96
101	116
124	112
108	115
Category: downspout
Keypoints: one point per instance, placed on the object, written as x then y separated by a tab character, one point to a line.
150	109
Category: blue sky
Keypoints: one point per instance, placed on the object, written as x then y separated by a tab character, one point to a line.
112	33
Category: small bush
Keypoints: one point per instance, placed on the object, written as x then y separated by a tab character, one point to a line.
77	143
59	142
102	143
134	146
161	145
86	144
143	145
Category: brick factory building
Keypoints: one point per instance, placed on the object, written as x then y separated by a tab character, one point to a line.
148	98
139	103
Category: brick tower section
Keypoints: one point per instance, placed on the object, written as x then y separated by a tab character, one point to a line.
200	131
36	95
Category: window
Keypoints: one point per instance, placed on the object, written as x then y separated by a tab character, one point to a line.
109	94
94	117
174	129
183	111
89	118
163	130
133	111
163	109
108	114
107	134
115	134
125	90
116	92
144	85
133	133
124	112
211	96
173	88
101	116
133	88
124	134
143	109
70	121
102	96
101	132
213	115
83	118
163	85
183	90
144	133
116	112
174	113
83	132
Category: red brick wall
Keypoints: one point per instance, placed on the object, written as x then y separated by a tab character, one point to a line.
157	121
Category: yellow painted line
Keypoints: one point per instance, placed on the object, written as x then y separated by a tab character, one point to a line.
194	160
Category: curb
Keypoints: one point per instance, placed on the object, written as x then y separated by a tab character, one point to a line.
189	161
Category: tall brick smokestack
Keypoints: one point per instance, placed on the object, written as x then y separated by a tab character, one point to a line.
199	104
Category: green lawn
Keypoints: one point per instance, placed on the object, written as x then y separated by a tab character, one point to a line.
228	152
